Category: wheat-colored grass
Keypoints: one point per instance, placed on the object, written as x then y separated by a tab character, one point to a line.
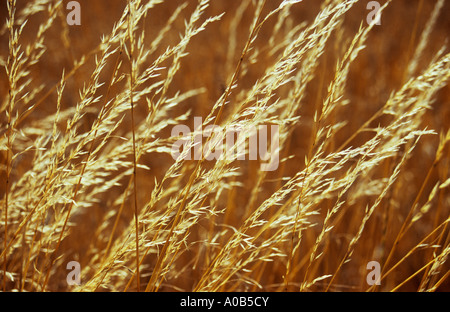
87	173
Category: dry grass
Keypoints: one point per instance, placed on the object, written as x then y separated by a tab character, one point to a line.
87	173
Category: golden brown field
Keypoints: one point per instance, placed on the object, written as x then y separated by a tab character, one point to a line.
87	119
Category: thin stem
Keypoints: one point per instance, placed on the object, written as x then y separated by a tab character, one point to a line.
403	229
383	276
136	218
412	276
8	165
12	84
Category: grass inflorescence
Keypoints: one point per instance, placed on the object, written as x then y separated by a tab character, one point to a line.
87	168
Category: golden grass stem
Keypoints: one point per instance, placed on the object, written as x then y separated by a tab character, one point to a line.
136	212
9	148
